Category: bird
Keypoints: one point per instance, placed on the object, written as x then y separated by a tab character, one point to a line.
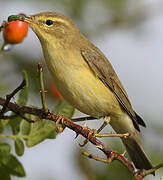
87	80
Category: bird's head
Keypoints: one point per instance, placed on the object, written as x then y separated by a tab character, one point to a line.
52	27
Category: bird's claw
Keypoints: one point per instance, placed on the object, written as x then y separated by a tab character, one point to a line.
57	128
91	132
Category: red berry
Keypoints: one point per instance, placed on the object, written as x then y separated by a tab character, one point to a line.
15	32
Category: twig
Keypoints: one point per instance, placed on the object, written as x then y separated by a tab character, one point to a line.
85	132
22	109
42	91
150	171
83	119
9	96
3	25
112	135
95	157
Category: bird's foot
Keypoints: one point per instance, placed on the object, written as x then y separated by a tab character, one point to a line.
92	132
58	127
106	121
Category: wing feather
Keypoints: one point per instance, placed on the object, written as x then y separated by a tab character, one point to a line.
105	72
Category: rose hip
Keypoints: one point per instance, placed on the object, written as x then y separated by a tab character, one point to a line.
15	32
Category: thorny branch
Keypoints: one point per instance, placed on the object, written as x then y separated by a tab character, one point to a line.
79	130
10	96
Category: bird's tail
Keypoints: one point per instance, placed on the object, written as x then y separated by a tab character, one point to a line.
132	143
137	154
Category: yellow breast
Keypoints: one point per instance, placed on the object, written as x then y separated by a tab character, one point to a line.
80	87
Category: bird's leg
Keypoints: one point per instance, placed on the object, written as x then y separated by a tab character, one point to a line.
58	129
93	131
106	121
83	118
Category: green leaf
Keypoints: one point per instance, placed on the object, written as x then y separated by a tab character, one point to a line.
9	163
42	130
64	108
16	17
4	174
13	166
4	150
23	95
22	100
26	127
19	147
3	124
36	126
15	124
39	132
51	126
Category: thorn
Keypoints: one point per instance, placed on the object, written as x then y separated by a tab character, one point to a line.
99	146
123	154
84	143
14	99
44	91
135	169
77	134
126	135
85	124
107	119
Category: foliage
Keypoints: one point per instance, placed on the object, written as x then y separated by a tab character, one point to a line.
23	131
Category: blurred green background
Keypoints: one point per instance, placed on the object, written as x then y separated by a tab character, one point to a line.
130	33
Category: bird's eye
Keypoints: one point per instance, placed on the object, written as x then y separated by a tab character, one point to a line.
49	22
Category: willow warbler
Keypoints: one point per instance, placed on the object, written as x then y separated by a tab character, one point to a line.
86	79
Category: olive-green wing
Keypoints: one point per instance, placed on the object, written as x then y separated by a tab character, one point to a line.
105	72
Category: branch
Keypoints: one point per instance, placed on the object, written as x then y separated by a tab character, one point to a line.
83	119
150	171
85	132
112	135
95	157
10	96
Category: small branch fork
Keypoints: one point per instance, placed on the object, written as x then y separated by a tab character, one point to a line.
10	96
79	130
